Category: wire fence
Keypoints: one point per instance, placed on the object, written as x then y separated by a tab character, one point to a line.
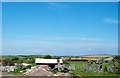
93	67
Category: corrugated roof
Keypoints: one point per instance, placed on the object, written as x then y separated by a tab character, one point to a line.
40	60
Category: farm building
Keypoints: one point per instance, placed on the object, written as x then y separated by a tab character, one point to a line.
108	59
48	62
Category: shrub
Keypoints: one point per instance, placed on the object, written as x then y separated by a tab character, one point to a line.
105	69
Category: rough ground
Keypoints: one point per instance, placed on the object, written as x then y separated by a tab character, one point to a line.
39	71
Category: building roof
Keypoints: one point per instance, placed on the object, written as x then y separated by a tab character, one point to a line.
108	59
50	61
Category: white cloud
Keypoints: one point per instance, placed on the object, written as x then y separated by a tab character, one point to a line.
53	5
71	38
58	5
89	49
111	20
37	50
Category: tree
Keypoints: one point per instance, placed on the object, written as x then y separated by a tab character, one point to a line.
116	62
7	62
47	57
117	58
15	58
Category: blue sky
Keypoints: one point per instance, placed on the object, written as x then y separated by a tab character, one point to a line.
66	28
1	27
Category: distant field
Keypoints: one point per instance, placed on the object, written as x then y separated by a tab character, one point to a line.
80	63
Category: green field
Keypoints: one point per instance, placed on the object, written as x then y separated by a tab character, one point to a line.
81	69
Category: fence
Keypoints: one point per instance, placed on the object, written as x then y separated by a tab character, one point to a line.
93	67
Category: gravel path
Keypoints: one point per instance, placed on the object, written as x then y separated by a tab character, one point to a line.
6	74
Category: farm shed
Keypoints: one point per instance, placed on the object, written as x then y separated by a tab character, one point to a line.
48	62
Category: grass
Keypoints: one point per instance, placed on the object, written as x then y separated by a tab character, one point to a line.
85	72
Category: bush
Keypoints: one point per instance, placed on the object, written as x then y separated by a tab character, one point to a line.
55	71
65	70
26	67
18	70
29	61
105	69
